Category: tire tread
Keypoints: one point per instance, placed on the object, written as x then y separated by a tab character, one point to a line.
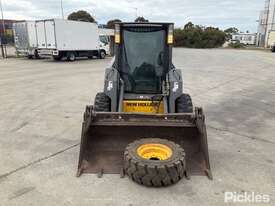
154	175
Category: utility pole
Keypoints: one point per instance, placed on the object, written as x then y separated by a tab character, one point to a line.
267	22
4	32
136	9
62	11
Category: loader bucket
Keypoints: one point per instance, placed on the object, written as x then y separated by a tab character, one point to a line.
106	135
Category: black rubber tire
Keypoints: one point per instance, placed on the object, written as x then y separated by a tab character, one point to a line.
71	56
154	173
102	54
102	103
273	49
36	55
184	104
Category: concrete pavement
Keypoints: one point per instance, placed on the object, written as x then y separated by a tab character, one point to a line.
41	108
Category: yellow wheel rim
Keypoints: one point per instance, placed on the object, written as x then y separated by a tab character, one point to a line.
154	151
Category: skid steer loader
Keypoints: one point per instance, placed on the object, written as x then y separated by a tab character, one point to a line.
143	125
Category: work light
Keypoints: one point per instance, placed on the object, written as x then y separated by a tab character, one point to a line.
170	37
117	34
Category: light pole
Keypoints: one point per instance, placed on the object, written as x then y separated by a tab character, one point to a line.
62	11
4	30
136	9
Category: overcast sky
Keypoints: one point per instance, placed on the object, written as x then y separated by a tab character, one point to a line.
220	13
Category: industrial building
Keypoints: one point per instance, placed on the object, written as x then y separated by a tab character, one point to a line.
266	24
245	38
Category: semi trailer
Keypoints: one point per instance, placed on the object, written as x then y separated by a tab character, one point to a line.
65	39
25	39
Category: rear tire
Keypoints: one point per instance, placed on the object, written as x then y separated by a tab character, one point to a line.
184	104
71	56
273	49
154	172
102	103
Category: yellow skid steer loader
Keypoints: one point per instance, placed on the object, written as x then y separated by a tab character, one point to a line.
143	125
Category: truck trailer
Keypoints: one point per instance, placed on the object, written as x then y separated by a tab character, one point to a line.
25	39
69	39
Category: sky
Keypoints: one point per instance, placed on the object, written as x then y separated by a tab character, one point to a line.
242	14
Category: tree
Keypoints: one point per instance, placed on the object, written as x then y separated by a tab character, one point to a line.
141	19
189	25
194	36
111	23
232	30
81	16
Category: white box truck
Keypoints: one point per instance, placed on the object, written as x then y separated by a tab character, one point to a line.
271	40
25	38
69	39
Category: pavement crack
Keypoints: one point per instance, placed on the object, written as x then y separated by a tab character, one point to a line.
242	135
218	86
37	161
21	192
20	126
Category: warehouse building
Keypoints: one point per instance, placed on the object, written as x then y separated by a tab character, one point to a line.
244	38
266	26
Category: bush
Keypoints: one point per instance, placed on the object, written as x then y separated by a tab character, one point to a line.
236	45
194	36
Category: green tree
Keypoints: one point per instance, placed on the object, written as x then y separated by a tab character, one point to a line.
232	30
141	19
194	36
189	25
81	16
111	23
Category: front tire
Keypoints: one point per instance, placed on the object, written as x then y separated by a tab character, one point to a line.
102	103
155	170
184	104
36	55
102	54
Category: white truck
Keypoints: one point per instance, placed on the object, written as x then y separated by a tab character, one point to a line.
271	40
69	39
25	39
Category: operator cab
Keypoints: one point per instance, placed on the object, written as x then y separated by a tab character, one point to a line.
143	55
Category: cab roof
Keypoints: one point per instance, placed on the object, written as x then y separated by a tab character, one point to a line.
144	24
